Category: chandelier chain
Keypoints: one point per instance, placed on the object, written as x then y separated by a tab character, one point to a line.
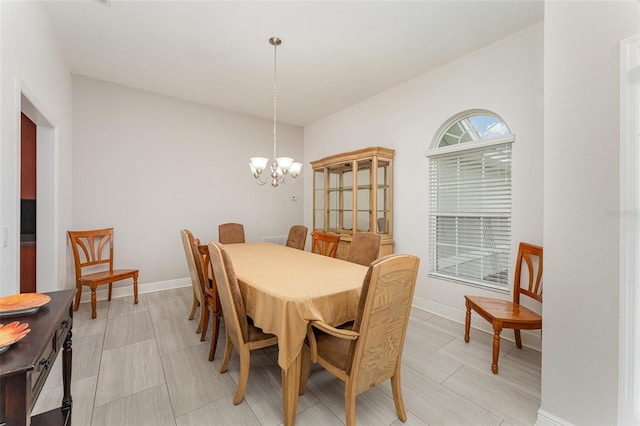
275	98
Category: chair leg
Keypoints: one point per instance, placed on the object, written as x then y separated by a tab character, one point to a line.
496	348
76	304
350	402
518	338
194	306
135	289
203	309
305	369
396	389
110	288
214	336
204	321
228	350
93	302
467	323
245	362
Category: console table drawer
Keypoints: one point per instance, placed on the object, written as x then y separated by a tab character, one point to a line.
48	357
63	329
41	369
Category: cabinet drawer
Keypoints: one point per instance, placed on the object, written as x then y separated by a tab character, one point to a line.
42	367
48	357
61	333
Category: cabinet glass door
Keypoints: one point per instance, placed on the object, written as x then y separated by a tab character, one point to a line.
333	191
318	210
364	197
340	194
347	202
383	198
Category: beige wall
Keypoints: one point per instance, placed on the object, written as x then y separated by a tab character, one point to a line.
150	165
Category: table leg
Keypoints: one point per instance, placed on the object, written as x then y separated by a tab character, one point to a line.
290	385
17	405
67	354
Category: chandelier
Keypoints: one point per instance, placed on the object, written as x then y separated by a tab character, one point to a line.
281	166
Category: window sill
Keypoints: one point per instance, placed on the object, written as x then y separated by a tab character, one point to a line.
485	286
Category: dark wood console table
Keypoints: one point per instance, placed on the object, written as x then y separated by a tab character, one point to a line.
25	366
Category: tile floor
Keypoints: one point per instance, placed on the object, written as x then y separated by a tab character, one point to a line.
144	365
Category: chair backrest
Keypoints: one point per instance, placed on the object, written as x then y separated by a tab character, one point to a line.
188	242
297	236
531	256
381	319
325	244
235	316
204	267
92	248
364	248
231	233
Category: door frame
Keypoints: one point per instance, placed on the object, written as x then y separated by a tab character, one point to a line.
47	221
629	217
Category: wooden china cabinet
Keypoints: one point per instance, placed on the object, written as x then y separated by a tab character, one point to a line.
353	192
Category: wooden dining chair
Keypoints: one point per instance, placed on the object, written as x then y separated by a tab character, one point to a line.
93	249
364	248
240	331
189	243
370	350
505	314
231	233
211	299
297	237
324	243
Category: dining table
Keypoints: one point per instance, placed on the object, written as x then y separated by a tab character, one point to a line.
284	289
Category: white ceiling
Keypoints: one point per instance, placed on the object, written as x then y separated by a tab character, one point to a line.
334	54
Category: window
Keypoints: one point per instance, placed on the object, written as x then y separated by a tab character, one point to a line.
470	200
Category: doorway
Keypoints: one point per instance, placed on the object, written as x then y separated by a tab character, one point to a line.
27	205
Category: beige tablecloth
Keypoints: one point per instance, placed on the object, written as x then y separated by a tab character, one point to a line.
285	288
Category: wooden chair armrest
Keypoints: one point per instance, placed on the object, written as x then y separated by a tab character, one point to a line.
313	346
336	332
323	326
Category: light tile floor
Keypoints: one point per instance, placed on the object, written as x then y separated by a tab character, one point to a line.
144	365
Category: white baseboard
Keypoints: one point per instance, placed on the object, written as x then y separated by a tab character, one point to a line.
438	309
530	339
548	419
127	291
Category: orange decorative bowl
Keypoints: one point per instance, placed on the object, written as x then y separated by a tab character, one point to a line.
11	333
24	303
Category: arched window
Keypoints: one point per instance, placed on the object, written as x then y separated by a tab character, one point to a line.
470	200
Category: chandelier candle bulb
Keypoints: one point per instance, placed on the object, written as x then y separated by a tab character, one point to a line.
295	168
284	163
258	164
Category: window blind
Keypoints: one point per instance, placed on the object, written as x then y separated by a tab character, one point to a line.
470	215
